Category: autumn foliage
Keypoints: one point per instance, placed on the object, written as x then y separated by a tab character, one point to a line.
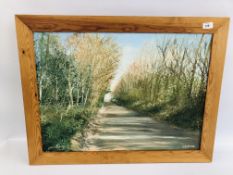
168	80
73	76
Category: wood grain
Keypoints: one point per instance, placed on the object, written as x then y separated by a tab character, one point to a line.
121	157
119	24
214	88
29	87
27	24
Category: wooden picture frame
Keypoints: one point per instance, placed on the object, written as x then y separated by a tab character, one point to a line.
27	24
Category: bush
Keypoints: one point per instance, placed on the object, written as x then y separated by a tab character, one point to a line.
179	113
60	125
186	117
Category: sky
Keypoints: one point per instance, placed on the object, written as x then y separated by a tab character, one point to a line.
131	45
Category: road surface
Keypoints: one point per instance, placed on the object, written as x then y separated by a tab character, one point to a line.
118	128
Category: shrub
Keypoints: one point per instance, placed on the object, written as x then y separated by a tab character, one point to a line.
60	125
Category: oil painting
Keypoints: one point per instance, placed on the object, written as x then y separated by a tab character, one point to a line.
121	91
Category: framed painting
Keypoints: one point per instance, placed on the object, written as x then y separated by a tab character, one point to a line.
120	89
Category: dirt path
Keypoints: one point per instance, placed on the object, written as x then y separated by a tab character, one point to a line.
118	128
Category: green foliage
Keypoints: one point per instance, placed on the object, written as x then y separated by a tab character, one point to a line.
72	79
168	81
187	115
60	125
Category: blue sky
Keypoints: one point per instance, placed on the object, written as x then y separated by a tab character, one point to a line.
135	40
131	44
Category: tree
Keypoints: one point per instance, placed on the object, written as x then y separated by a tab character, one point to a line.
171	75
97	58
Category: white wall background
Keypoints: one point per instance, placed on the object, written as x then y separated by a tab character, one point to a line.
13	149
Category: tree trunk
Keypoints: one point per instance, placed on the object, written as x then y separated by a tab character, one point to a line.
43	69
194	67
47	51
77	96
192	78
56	91
40	89
70	90
85	101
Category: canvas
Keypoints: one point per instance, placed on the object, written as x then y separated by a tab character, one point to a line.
121	91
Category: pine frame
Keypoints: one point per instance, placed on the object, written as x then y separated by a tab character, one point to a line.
27	24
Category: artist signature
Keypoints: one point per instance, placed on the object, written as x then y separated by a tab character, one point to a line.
188	146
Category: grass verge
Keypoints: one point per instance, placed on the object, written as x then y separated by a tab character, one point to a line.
59	125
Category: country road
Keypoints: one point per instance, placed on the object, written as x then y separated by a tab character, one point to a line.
118	128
